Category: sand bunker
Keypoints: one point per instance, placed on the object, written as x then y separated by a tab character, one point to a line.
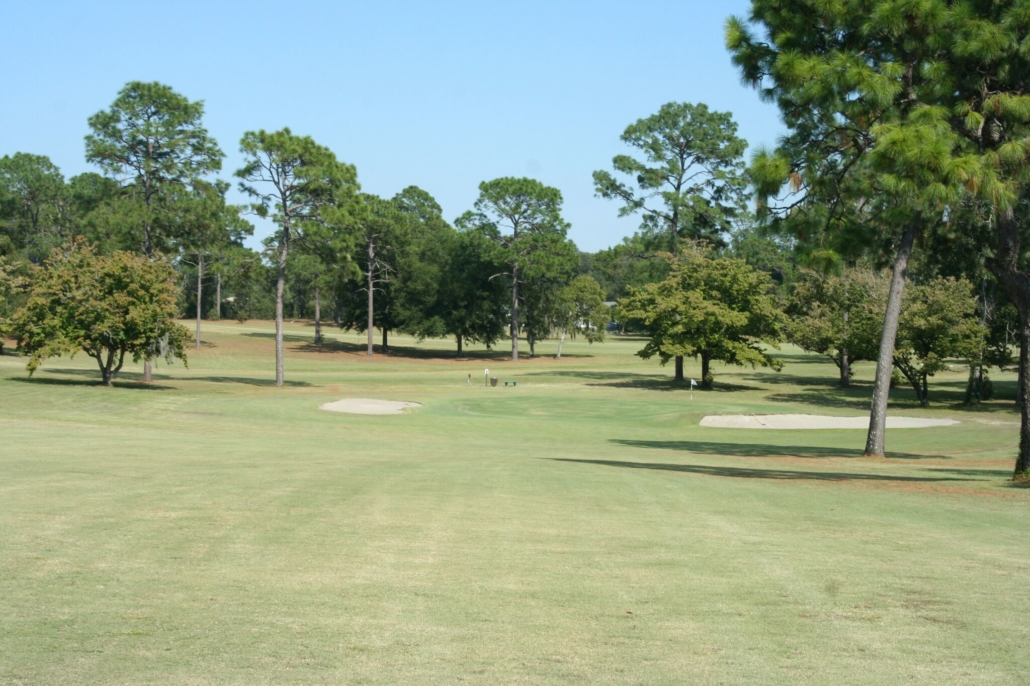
814	421
368	406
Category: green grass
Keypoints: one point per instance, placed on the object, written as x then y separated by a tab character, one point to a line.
580	528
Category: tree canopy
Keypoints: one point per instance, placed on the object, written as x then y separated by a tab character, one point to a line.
690	183
153	142
715	309
522	217
109	307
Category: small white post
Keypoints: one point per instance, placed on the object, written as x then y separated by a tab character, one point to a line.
486	378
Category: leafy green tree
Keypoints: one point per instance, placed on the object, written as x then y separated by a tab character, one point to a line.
581	307
309	277
36	211
13	279
630	263
838	316
153	143
690	183
470	301
379	233
715	309
214	224
244	284
985	101
523	219
938	322
542	291
422	266
769	252
109	307
152	140
294	180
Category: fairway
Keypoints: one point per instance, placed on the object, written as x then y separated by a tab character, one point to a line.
580	527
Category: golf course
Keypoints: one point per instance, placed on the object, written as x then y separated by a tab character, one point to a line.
579	527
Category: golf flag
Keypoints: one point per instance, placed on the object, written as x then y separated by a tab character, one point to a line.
692	384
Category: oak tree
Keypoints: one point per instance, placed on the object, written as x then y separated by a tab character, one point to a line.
110	307
718	309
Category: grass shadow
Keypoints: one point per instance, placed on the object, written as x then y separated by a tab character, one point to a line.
761	449
117	383
332	345
667	384
653	382
900	398
751	473
829	383
135	379
975	472
250	381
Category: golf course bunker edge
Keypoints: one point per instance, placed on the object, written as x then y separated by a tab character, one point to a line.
368	406
815	421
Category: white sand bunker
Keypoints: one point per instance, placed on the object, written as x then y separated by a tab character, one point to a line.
368	406
814	421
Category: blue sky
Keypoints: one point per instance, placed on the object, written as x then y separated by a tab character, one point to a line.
441	95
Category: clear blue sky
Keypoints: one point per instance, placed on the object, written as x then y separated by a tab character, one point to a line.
441	95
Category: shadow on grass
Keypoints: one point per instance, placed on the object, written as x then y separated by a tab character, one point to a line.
900	398
750	473
976	472
330	345
249	381
117	383
135	379
761	449
652	382
828	383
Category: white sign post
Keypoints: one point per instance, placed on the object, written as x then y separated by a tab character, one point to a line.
486	378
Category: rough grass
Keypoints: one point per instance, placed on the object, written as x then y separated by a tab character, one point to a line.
580	528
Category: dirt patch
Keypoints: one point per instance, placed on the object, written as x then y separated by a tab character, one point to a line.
815	422
368	406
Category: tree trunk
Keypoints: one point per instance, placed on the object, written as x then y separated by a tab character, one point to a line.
318	319
845	364
1005	267
280	286
200	292
532	343
459	345
386	339
514	314
924	398
1024	353
1022	469
105	369
974	384
874	445
370	246
706	370
218	297
561	342
148	371
679	368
